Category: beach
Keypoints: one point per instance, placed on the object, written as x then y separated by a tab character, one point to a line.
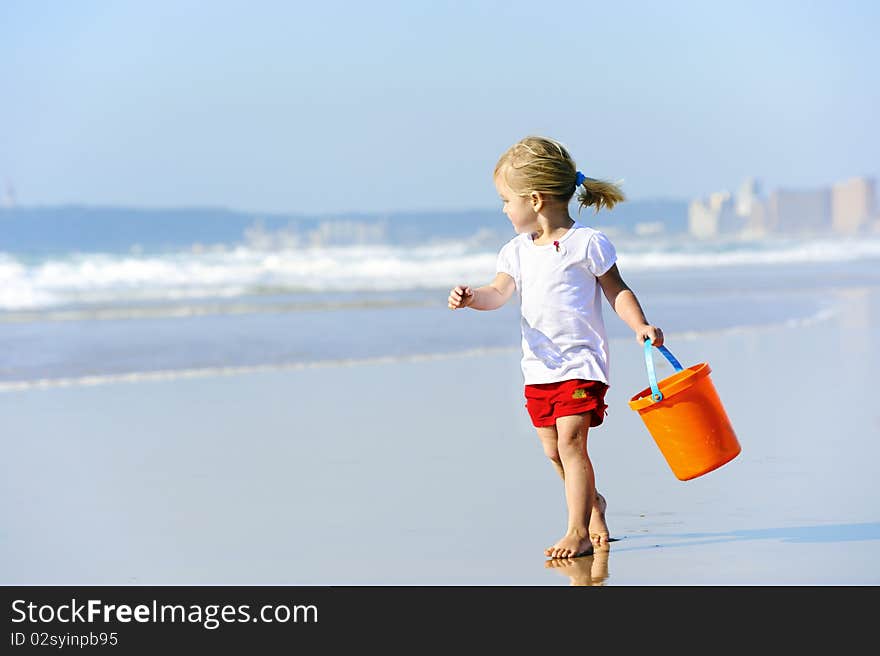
424	470
228	236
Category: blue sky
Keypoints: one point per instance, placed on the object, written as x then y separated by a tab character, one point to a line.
379	106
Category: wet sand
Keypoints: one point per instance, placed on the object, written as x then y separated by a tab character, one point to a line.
428	472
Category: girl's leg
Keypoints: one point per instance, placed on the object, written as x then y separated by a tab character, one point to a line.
597	526
549	438
580	490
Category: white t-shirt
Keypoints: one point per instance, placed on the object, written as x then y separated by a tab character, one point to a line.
563	333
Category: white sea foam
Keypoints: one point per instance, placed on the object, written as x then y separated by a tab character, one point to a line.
694	256
100	278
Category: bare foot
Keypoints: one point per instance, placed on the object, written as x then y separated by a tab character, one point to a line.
598	527
578	570
573	544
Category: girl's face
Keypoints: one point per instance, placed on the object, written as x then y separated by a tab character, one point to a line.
519	209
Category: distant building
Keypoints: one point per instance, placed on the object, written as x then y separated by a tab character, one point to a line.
799	211
747	197
650	228
344	232
853	205
751	207
701	221
756	221
714	217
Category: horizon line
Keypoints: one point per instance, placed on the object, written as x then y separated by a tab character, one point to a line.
327	214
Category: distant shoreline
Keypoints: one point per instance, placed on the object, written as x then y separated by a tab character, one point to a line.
53	229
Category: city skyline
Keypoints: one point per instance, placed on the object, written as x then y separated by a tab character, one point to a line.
845	207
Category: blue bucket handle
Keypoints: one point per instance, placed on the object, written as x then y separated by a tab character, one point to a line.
657	395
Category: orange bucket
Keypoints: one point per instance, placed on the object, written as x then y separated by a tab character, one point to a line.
686	418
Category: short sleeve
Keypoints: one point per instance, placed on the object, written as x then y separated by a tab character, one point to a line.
601	254
508	262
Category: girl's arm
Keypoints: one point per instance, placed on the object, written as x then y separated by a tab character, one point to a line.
487	297
625	303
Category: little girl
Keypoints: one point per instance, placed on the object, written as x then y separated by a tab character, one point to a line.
558	267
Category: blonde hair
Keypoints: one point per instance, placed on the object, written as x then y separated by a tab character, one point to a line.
544	165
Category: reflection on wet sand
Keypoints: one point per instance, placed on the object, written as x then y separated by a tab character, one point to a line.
584	570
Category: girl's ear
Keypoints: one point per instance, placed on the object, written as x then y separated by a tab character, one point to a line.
537	200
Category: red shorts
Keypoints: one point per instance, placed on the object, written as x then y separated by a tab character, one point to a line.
547	402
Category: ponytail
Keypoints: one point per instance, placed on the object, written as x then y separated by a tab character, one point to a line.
599	193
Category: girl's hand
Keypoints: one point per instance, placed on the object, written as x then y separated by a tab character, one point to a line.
649	332
460	297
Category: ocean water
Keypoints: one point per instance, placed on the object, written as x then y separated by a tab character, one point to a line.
81	317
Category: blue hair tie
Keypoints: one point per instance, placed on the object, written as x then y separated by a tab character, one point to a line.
579	180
